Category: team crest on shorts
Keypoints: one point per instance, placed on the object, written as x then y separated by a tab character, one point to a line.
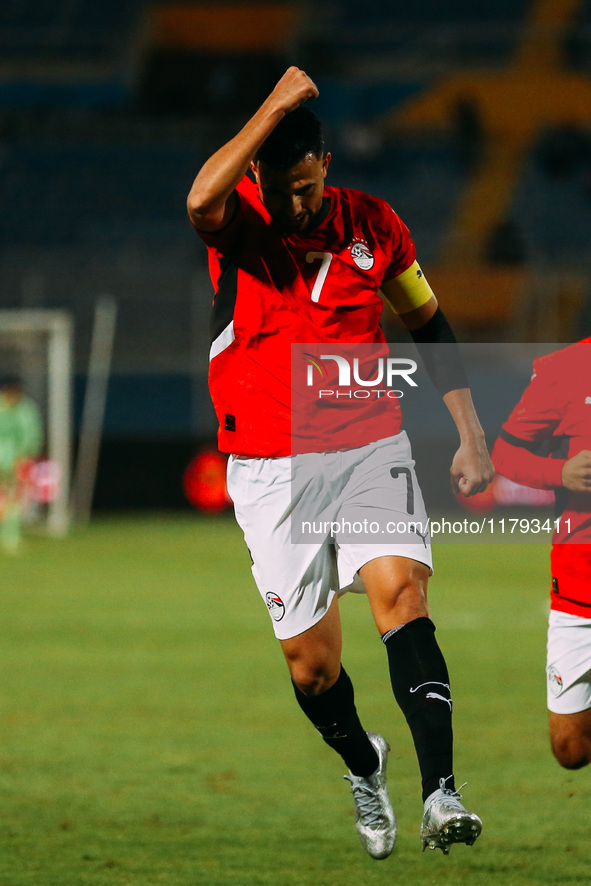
554	681
275	606
361	255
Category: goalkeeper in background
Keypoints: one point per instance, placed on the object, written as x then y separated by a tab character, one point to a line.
21	438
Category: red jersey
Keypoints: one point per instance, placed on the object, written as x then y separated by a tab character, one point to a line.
274	289
556	407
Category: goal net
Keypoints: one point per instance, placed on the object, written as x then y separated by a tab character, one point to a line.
36	348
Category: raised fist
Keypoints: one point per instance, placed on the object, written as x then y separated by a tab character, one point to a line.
294	88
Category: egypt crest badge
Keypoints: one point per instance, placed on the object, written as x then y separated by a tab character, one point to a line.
361	255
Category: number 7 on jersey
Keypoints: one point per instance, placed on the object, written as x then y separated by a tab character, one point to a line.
325	260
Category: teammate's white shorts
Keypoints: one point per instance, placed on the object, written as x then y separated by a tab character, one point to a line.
568	667
312	521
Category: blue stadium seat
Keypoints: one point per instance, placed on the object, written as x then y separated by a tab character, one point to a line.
62	29
552	205
76	192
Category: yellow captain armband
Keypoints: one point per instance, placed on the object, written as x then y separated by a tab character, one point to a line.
408	290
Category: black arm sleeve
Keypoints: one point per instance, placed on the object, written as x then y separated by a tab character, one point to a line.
440	354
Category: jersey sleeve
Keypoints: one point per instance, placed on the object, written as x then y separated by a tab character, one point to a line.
400	246
533	420
515	461
541	408
224	238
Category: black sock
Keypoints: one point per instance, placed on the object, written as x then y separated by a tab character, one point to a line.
334	715
421	686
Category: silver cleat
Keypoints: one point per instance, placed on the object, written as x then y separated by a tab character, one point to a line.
446	821
374	817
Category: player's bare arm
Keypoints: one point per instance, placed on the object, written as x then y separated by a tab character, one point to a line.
211	200
576	472
472	468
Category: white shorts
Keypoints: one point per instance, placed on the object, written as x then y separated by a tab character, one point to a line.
568	667
312	521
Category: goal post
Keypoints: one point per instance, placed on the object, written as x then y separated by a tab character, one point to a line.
36	345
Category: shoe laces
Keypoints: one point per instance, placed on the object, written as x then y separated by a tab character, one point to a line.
367	800
449	794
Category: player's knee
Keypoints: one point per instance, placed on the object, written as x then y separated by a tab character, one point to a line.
412	597
403	605
572	752
571	758
311	678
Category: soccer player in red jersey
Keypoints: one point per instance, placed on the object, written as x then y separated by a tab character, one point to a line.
295	261
555	411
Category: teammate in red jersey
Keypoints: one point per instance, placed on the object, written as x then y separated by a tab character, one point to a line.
293	261
555	410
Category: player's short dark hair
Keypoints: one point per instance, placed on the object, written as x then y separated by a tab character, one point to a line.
11	381
294	137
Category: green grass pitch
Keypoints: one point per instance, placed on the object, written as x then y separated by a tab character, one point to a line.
149	735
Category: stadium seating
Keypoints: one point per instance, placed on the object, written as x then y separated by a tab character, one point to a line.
89	192
82	30
552	203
